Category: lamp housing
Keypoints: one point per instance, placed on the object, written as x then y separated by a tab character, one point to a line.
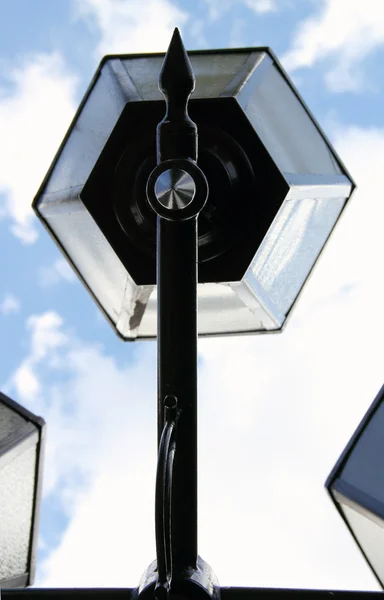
276	190
22	438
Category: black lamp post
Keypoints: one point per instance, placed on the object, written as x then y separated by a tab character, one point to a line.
239	182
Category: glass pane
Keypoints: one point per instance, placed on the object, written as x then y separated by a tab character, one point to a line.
10	422
370	535
220	310
292	245
223	307
213	73
279	270
285	128
94	258
87	138
365	466
17	484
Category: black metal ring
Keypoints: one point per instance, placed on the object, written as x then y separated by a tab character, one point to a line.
199	199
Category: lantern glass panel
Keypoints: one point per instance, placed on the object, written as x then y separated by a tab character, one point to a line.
93	256
21	451
370	535
82	147
274	278
17	490
364	469
221	306
214	72
293	141
289	250
10	421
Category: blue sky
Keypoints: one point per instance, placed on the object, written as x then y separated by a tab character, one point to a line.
290	401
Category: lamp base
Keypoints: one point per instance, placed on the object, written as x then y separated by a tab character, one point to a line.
192	584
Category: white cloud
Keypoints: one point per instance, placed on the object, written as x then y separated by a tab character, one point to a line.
261	6
100	453
196	31
218	7
133	26
45	338
236	35
46	335
357	257
57	272
9	305
274	415
26	382
112	530
280	411
343	31
89	417
36	107
283	407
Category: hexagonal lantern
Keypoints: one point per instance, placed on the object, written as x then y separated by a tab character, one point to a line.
22	439
356	486
276	186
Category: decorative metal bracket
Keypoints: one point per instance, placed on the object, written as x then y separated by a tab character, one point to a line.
163	499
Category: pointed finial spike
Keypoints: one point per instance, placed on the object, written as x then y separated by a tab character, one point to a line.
176	133
176	73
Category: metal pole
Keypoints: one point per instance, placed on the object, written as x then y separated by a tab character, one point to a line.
177	374
177	308
177	190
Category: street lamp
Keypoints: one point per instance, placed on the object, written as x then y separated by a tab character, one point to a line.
21	453
240	184
356	486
